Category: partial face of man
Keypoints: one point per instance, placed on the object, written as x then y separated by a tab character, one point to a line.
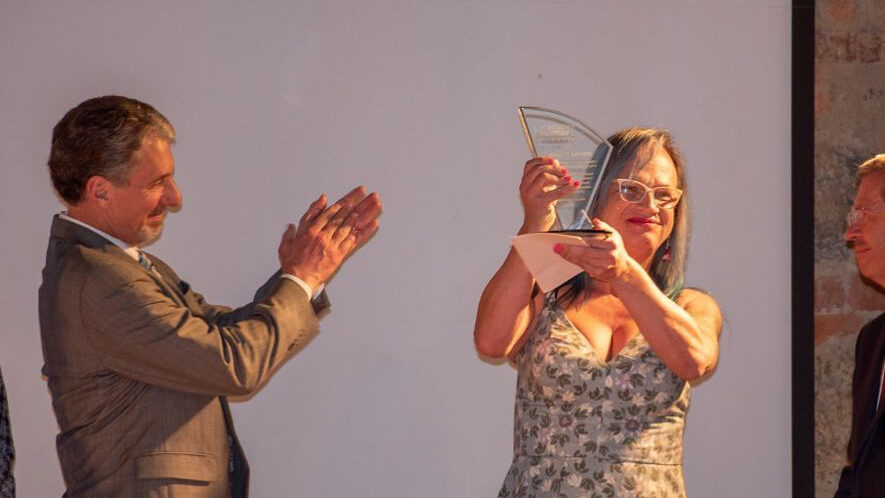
867	235
136	211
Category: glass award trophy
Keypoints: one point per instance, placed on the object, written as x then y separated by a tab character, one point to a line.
579	149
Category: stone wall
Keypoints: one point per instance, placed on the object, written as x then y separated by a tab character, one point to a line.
849	128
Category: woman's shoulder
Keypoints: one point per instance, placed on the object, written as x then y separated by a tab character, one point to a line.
694	296
702	307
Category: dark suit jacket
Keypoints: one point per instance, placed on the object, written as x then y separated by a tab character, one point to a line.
139	365
865	474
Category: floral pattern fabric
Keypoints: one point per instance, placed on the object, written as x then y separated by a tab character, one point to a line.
7	450
586	427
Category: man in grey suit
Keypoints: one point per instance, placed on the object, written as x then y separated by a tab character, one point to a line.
138	364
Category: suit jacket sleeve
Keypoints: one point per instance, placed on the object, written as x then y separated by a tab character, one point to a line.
142	332
224	314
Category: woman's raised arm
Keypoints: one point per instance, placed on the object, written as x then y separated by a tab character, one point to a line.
506	308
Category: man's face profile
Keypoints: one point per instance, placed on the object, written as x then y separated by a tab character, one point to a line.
137	210
867	236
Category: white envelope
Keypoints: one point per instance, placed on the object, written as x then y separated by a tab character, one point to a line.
548	268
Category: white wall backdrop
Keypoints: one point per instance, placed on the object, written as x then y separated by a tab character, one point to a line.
276	102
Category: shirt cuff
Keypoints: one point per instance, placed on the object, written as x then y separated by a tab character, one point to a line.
301	283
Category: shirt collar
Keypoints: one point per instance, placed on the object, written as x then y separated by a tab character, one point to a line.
130	250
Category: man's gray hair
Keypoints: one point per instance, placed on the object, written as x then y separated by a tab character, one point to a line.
871	165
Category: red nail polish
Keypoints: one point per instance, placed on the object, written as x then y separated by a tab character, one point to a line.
577	184
567	179
557	248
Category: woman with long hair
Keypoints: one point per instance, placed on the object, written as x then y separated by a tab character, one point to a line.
604	361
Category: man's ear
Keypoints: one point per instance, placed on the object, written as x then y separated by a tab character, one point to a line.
97	191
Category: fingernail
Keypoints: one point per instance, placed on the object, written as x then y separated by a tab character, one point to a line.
557	248
577	184
564	171
567	179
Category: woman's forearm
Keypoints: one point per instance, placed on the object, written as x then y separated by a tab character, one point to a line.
685	338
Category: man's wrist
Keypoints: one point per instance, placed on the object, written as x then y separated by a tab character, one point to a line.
310	286
307	277
301	283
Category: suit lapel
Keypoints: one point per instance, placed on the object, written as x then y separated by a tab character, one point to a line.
167	283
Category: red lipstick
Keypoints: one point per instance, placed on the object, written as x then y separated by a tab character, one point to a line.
642	221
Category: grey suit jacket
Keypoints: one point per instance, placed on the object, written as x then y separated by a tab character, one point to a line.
139	365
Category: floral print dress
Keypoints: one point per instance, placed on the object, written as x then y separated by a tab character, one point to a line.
584	427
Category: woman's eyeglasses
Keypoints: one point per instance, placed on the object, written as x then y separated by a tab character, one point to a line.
634	191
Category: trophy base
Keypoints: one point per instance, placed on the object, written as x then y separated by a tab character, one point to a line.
582	233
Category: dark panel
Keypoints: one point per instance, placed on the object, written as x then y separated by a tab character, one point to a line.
803	247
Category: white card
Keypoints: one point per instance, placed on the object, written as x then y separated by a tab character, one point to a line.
548	268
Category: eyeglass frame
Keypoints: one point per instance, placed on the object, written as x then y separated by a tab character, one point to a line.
856	214
619	182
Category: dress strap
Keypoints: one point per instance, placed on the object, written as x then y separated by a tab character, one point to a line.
550	300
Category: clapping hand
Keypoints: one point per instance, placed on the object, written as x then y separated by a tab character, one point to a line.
325	236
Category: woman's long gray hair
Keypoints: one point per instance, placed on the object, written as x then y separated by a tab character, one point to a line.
632	148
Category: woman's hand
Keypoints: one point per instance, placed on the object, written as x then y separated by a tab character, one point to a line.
544	182
684	334
604	258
